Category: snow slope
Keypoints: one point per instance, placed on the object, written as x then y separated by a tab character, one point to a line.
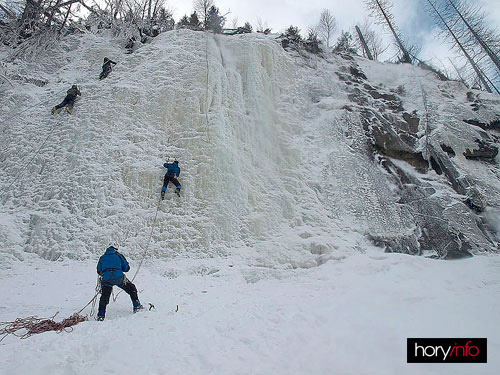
265	253
349	316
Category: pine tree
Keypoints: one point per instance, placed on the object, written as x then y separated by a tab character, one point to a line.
194	22
183	23
215	20
345	44
248	26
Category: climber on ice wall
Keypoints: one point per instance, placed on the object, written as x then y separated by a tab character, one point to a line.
69	100
173	171
106	68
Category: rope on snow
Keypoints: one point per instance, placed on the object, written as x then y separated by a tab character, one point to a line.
25	327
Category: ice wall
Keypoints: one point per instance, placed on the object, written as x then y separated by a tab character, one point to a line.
222	106
276	166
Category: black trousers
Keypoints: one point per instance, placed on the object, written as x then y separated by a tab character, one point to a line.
171	179
107	288
106	69
69	100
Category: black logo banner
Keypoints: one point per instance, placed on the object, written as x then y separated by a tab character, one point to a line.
446	350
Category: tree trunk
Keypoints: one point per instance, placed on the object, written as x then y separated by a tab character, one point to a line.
65	19
363	43
7	12
487	49
406	55
471	61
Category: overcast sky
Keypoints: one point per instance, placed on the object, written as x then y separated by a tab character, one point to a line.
410	16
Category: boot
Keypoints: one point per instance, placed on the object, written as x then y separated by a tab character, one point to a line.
68	110
53	110
137	306
162	195
100	315
178	192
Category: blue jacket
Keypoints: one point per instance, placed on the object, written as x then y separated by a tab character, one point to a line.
172	169
112	264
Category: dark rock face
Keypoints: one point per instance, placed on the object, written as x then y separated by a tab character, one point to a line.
433	217
448	224
484	151
493	125
390	136
357	72
448	150
457	254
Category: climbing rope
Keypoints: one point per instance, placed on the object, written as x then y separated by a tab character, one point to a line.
33	325
51	130
206	93
427	115
17	113
149	240
145	250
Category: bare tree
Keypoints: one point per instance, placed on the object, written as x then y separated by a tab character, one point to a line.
479	34
373	40
202	7
381	10
327	26
33	18
458	44
234	23
364	45
261	25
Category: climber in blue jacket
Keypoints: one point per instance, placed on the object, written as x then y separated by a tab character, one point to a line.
111	267
173	171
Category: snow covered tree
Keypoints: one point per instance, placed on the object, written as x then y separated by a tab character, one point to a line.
248	26
312	43
165	20
42	20
293	33
194	22
203	8
345	43
327	26
215	21
183	23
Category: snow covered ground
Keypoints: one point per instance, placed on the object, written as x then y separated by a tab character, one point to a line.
265	253
349	316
